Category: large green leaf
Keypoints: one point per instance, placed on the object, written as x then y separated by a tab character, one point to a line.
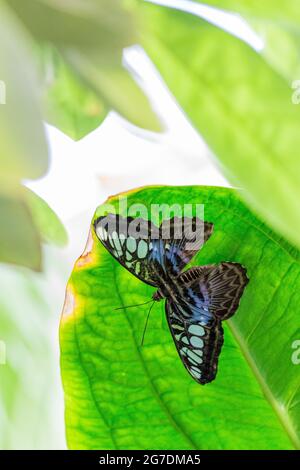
239	103
283	11
278	24
121	395
90	35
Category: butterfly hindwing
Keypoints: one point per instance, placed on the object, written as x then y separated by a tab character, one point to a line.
207	295
214	290
198	346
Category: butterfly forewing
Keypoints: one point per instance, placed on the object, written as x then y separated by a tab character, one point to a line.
129	241
148	251
183	238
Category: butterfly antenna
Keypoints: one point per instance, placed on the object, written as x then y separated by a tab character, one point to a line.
146	323
135	305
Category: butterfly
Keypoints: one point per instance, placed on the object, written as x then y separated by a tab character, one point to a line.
197	299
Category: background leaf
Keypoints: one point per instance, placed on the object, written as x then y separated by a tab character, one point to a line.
246	117
26	222
23	148
19	238
68	103
278	24
50	228
121	395
90	36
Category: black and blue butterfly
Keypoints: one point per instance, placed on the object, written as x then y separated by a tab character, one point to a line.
197	300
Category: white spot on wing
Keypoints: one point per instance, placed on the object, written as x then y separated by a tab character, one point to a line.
131	244
196	330
196	342
122	238
142	249
194	357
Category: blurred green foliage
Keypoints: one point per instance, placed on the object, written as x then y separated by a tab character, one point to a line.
89	36
62	62
68	103
120	395
277	23
31	408
241	105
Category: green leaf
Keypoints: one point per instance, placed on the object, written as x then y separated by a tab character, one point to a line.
26	222
19	237
69	104
23	148
121	395
90	35
51	229
26	219
240	105
283	11
278	24
101	25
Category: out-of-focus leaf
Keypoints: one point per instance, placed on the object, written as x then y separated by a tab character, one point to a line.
69	104
26	222
30	394
240	105
90	35
51	229
282	11
23	148
19	236
100	25
25	218
278	24
116	88
120	395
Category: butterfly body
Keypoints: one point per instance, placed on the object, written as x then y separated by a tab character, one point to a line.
197	300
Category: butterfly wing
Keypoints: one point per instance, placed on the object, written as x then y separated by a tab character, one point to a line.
151	253
129	241
198	346
183	238
214	291
206	296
